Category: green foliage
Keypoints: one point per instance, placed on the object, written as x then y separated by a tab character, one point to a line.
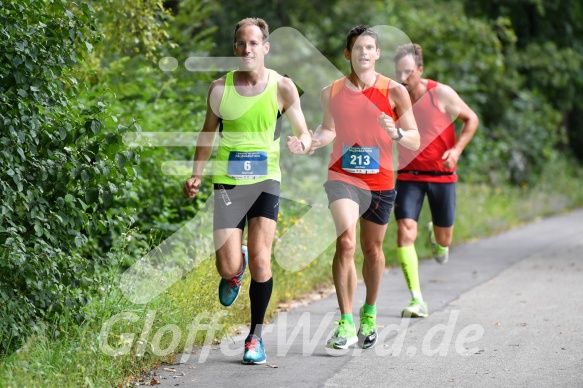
573	119
61	168
324	23
130	28
159	207
519	126
549	55
161	103
70	74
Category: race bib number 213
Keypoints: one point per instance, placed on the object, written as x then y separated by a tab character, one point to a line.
360	160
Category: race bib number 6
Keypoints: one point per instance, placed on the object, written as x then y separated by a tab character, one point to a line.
360	160
247	164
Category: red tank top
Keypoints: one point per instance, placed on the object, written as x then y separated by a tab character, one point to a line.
362	151
437	134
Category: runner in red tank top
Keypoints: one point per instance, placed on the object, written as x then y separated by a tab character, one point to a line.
430	170
360	114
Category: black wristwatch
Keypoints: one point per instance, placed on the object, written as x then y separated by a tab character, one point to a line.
400	132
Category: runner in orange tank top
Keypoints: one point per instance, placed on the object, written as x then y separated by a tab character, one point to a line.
364	113
430	170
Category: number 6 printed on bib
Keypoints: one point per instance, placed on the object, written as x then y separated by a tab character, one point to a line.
247	164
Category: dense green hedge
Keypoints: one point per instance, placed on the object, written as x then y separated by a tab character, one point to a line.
61	169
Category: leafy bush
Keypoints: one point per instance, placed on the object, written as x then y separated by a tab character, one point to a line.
61	169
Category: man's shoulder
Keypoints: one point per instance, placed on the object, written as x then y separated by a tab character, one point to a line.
447	97
443	91
219	82
384	78
397	89
340	81
285	86
215	93
438	86
283	81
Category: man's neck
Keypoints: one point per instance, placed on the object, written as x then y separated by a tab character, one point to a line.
419	91
251	78
363	80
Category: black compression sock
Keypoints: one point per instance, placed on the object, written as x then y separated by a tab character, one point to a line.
259	294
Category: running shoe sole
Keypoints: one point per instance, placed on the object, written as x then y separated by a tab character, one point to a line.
349	342
253	362
406	313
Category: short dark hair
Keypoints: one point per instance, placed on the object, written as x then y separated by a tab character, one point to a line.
358	31
252	22
412	49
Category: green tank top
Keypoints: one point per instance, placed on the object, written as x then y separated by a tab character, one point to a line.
249	146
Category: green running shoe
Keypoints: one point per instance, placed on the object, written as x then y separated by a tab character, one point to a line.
367	333
343	336
416	309
440	254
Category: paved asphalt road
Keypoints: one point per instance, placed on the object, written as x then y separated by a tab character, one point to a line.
505	311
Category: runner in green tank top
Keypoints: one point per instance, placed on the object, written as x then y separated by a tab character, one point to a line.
249	129
244	106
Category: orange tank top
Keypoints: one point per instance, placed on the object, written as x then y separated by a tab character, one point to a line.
362	151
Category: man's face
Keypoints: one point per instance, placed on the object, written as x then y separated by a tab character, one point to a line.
364	53
250	48
408	73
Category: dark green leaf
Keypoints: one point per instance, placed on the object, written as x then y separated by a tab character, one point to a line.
107	198
85	176
121	160
92	195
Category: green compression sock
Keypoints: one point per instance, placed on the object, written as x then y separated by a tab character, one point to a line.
409	263
347	318
368	309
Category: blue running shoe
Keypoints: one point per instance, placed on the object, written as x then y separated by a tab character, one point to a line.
229	288
254	351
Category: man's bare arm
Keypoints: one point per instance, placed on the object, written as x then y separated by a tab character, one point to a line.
301	142
451	102
206	139
406	121
326	132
